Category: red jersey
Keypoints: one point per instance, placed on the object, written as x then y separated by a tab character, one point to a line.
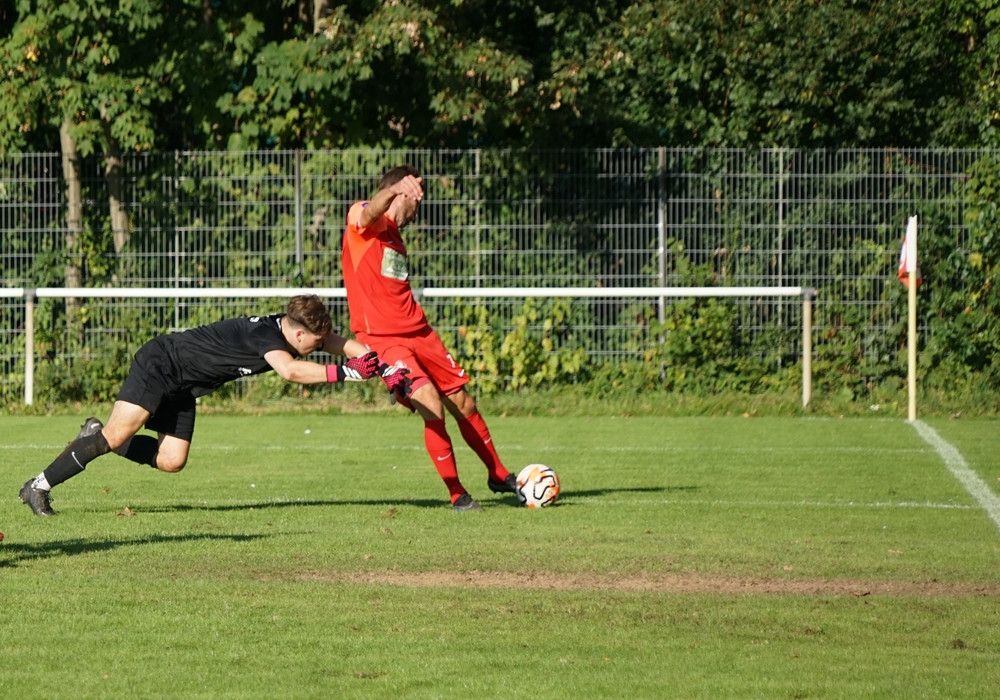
377	278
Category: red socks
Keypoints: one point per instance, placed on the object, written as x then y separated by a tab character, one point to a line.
439	447
478	437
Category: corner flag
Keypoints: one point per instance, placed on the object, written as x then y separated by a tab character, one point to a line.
909	274
908	255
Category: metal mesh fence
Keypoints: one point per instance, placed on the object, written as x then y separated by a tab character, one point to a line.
595	218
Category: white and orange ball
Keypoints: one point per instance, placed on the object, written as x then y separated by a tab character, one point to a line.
537	486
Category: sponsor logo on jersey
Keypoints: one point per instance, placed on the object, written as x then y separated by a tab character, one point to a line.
394	265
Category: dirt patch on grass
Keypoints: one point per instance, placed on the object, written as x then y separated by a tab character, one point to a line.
666	583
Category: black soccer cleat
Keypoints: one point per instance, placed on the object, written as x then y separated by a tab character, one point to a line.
508	485
91	426
465	502
36	499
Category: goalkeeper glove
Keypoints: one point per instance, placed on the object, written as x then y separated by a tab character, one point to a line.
356	369
396	381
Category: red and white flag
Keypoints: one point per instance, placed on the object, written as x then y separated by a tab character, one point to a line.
908	255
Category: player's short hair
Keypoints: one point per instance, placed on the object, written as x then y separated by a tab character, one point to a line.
309	311
394	175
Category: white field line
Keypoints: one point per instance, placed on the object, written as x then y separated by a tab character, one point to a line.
976	487
205	446
561	449
876	505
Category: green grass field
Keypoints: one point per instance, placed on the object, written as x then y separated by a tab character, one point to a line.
315	556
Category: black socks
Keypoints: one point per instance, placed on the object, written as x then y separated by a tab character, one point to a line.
77	455
142	449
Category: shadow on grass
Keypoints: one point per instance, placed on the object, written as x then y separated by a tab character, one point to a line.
298	503
15	553
567	497
595	493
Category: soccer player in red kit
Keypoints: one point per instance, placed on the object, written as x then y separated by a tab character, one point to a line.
386	318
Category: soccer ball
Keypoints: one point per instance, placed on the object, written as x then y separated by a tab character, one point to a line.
537	486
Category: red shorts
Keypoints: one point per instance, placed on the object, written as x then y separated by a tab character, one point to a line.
423	353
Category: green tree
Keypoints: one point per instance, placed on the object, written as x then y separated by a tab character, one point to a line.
175	74
93	79
802	73
982	33
87	66
81	69
410	73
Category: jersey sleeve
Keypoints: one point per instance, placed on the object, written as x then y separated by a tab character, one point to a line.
354	227
265	334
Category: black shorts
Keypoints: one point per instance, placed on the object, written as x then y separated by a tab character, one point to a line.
152	385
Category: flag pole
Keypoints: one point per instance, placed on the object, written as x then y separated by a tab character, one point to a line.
911	335
911	344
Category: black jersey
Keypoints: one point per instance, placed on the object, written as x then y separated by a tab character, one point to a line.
202	359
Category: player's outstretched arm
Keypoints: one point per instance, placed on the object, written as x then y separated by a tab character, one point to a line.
339	345
396	381
305	372
394	377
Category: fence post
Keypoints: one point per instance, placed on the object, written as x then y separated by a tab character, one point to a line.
808	293
29	346
661	230
299	245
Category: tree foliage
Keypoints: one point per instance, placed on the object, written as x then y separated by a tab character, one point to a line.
183	74
88	64
808	74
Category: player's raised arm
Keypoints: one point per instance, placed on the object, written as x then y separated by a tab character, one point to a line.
410	187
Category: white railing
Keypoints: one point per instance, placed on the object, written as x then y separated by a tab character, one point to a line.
30	295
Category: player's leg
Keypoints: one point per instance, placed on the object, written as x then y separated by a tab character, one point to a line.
88	446
125	420
425	400
173	453
143	390
450	380
477	436
174	424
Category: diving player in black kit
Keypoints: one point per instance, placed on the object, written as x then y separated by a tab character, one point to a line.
170	371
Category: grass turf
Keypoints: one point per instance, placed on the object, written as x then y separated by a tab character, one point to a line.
687	557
